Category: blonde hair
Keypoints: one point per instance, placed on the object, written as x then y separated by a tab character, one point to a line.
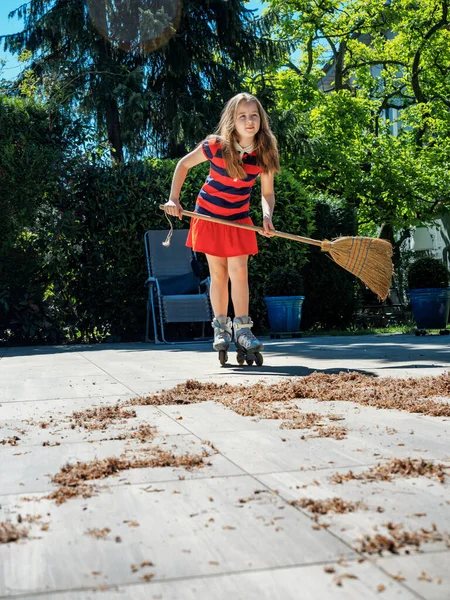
265	143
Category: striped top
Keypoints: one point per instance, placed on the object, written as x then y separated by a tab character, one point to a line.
221	196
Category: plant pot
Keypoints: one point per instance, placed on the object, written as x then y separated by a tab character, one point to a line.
284	312
430	307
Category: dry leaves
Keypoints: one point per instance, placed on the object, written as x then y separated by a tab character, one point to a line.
99	533
11	533
100	417
412	395
397	539
323	507
396	467
72	478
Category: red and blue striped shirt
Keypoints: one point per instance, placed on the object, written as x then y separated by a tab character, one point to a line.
221	196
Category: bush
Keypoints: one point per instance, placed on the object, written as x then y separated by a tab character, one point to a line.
31	152
427	272
286	281
329	289
89	252
293	214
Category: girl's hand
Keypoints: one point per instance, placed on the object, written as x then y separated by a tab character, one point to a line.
268	227
174	208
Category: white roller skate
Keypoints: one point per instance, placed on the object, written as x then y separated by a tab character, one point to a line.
247	345
223	333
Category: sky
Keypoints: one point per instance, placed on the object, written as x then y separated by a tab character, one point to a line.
12	66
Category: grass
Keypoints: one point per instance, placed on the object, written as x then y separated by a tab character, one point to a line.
408	328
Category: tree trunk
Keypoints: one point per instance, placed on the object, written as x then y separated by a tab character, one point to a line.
114	131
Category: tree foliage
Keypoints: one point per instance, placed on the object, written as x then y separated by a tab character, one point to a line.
371	88
160	95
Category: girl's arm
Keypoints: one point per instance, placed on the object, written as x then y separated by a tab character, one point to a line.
267	201
173	206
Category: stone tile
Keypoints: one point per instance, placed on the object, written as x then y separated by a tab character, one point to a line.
61	387
271	450
189	528
29	471
426	574
415	503
273	584
9	373
24	419
58	408
206	417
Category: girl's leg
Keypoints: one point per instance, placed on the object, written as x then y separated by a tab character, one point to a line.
247	345
238	270
218	271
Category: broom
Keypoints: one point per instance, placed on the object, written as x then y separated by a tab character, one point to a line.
369	259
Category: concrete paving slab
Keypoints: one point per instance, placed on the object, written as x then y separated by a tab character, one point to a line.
425	574
30	471
49	388
189	529
271	451
261	547
307	582
26	421
415	503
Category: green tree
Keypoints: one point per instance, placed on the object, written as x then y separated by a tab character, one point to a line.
371	87
31	153
143	75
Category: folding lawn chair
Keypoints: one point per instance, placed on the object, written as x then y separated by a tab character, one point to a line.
173	287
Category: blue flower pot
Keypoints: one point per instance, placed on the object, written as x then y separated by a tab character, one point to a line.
284	312
430	307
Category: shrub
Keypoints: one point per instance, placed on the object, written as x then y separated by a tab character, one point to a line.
293	214
286	281
329	289
427	272
89	250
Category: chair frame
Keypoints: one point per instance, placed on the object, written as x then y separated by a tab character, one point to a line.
154	288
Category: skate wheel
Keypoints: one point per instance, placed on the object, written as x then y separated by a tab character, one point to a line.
240	359
249	362
223	357
259	359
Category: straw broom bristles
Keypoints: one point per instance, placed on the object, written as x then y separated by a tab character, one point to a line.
369	259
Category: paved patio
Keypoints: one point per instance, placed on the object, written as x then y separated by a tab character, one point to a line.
229	529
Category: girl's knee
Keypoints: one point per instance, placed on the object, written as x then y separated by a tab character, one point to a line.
239	273
219	274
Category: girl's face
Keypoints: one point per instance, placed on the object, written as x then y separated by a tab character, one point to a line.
247	122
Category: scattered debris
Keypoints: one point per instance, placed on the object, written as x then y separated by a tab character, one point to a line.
397	539
338	580
12	441
396	467
11	533
99	533
101	416
332	431
72	478
422	395
323	507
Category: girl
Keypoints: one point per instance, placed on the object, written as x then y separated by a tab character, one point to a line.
242	148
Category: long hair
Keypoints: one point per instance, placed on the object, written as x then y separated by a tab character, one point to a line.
265	143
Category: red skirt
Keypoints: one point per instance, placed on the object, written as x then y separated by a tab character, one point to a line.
221	240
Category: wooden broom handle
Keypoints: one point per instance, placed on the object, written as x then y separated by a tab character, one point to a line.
288	236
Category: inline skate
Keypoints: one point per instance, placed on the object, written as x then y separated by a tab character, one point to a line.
247	345
223	333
